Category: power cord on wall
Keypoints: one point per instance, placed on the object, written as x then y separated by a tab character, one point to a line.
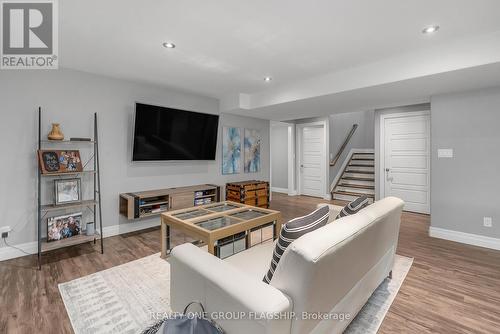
19	249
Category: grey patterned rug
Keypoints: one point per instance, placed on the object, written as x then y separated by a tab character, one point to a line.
122	299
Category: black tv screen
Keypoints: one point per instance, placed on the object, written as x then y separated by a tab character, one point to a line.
173	134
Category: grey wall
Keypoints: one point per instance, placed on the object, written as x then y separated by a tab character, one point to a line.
464	189
279	156
386	111
71	98
340	125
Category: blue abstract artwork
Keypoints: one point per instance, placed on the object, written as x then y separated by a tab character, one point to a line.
231	150
252	151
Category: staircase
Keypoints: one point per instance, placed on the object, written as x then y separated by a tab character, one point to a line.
358	178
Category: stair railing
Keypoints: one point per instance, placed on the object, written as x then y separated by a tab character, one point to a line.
344	145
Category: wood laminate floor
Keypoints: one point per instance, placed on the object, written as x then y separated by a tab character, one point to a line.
451	288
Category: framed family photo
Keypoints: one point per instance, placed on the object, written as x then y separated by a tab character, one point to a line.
57	161
63	227
67	191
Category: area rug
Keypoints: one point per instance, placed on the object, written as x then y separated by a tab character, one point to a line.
122	299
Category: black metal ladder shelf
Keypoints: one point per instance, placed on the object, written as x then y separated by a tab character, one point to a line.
94	205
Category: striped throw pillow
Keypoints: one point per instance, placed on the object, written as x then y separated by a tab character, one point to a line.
293	230
353	207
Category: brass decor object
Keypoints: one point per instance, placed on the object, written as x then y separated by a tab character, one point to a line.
56	133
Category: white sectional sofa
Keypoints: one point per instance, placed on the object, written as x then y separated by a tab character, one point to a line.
322	276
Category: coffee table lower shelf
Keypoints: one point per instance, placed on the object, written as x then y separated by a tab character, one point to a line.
213	222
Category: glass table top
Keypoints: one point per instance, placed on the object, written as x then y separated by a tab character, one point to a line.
249	214
222	207
192	214
216	223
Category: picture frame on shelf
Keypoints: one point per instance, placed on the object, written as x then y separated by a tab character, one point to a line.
64	227
67	191
59	161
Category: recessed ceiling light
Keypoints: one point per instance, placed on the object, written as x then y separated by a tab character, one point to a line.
169	45
430	29
267	79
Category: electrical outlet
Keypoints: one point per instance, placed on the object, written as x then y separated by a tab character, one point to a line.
5	229
487	222
445	153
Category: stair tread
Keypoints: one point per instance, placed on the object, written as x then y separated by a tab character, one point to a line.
353	194
359	186
360	172
362	153
363	159
357	178
360	165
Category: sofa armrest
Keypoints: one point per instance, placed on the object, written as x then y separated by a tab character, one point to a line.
225	290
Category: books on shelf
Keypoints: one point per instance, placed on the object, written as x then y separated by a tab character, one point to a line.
203	201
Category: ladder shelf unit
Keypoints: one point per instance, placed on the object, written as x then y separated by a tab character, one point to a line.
94	204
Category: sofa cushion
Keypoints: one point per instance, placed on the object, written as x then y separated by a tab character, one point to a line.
254	261
353	207
293	230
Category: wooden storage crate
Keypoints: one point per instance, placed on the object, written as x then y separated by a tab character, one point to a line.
255	193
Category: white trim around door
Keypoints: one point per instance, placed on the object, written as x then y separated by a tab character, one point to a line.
324	162
402	172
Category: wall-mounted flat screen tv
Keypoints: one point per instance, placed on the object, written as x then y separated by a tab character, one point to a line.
172	134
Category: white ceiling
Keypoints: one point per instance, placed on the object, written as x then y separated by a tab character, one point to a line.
226	47
399	93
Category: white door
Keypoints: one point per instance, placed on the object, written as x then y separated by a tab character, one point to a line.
312	160
406	167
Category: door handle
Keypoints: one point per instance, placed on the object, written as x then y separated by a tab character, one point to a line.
387	170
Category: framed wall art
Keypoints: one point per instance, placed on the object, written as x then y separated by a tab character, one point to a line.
231	150
252	151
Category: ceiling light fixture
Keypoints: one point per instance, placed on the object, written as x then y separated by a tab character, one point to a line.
169	45
430	29
267	79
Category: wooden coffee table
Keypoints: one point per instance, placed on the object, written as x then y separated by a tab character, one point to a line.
212	222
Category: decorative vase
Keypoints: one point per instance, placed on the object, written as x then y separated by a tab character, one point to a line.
55	133
90	229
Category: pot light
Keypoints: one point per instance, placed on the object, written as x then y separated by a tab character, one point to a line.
169	45
430	29
267	79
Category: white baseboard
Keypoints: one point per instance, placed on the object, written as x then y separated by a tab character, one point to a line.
111	231
7	253
328	197
465	238
293	193
279	190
